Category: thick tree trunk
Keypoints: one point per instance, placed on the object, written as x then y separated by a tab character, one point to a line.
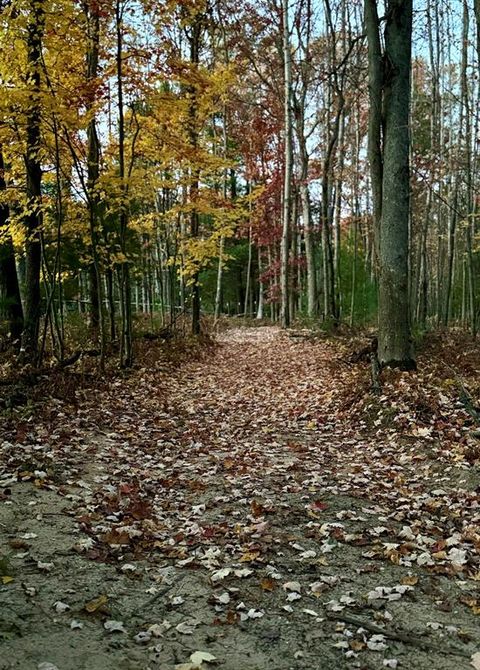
303	85
394	338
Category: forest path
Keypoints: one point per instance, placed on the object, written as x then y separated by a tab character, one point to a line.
228	507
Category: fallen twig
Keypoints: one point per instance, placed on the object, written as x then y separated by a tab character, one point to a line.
399	636
146	605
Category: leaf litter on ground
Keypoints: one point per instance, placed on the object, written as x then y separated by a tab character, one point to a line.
266	461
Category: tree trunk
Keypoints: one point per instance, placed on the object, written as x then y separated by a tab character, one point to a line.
394	342
91	12
195	39
394	338
375	94
287	169
309	250
33	219
261	289
218	290
126	350
8	270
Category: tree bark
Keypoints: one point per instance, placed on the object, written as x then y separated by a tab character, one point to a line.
375	96
195	37
92	17
8	270
287	170
97	304
33	218
126	350
394	340
389	91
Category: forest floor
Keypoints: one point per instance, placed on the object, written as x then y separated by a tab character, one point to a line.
255	508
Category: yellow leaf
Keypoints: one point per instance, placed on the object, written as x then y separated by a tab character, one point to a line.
321	561
7	580
473	603
249	556
96	604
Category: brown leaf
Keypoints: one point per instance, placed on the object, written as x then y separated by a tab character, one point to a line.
357	645
141	510
267	584
257	509
231	617
116	537
18	544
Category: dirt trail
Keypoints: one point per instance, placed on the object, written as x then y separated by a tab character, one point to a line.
227	508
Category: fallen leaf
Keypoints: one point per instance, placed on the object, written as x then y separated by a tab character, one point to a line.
46	567
96	604
113	626
199	657
357	645
186	627
243	572
158	629
267	584
60	607
249	556
223	598
377	643
115	536
218	575
257	509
